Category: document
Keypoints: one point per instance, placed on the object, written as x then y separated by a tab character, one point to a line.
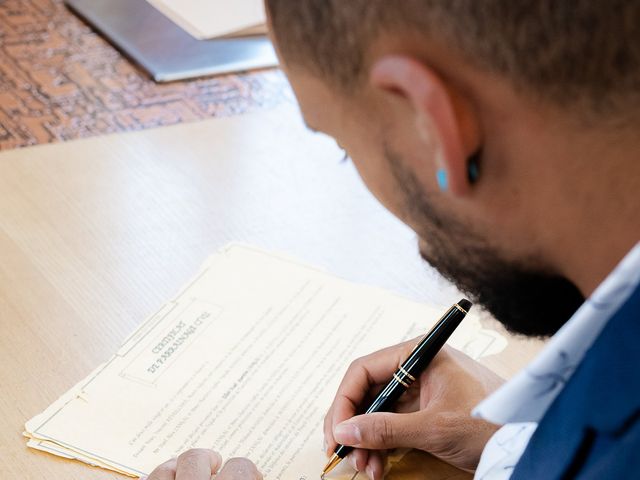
245	360
207	19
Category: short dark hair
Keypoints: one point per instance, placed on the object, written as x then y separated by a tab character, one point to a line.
565	51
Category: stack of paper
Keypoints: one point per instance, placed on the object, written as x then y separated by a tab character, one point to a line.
245	360
206	19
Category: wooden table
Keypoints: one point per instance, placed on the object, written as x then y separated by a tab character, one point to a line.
96	234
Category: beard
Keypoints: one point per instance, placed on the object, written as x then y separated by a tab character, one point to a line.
521	294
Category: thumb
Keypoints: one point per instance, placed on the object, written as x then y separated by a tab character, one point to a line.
381	431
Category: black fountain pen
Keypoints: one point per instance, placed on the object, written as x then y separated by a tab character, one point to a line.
411	369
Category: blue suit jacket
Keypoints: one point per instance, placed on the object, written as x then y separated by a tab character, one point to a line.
592	430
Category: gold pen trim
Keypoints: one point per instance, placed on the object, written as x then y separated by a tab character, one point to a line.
460	308
407	374
399	380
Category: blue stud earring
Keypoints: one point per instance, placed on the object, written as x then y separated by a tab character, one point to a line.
443	180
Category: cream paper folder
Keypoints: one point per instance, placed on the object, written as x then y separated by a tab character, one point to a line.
208	19
245	360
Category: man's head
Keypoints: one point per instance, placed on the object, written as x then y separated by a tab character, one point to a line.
483	124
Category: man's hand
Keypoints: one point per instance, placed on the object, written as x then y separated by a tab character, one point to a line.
433	415
199	464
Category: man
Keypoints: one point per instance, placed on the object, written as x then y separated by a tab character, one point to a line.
506	134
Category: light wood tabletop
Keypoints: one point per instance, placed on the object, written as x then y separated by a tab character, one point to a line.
96	234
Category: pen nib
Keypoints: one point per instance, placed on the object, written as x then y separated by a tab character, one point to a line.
333	463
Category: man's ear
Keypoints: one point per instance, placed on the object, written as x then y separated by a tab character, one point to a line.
438	112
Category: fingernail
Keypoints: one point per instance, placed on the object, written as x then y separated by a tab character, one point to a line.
143	478
369	471
443	180
347	434
354	464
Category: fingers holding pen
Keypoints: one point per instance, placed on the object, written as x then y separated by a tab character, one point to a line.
351	393
343	408
363	376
